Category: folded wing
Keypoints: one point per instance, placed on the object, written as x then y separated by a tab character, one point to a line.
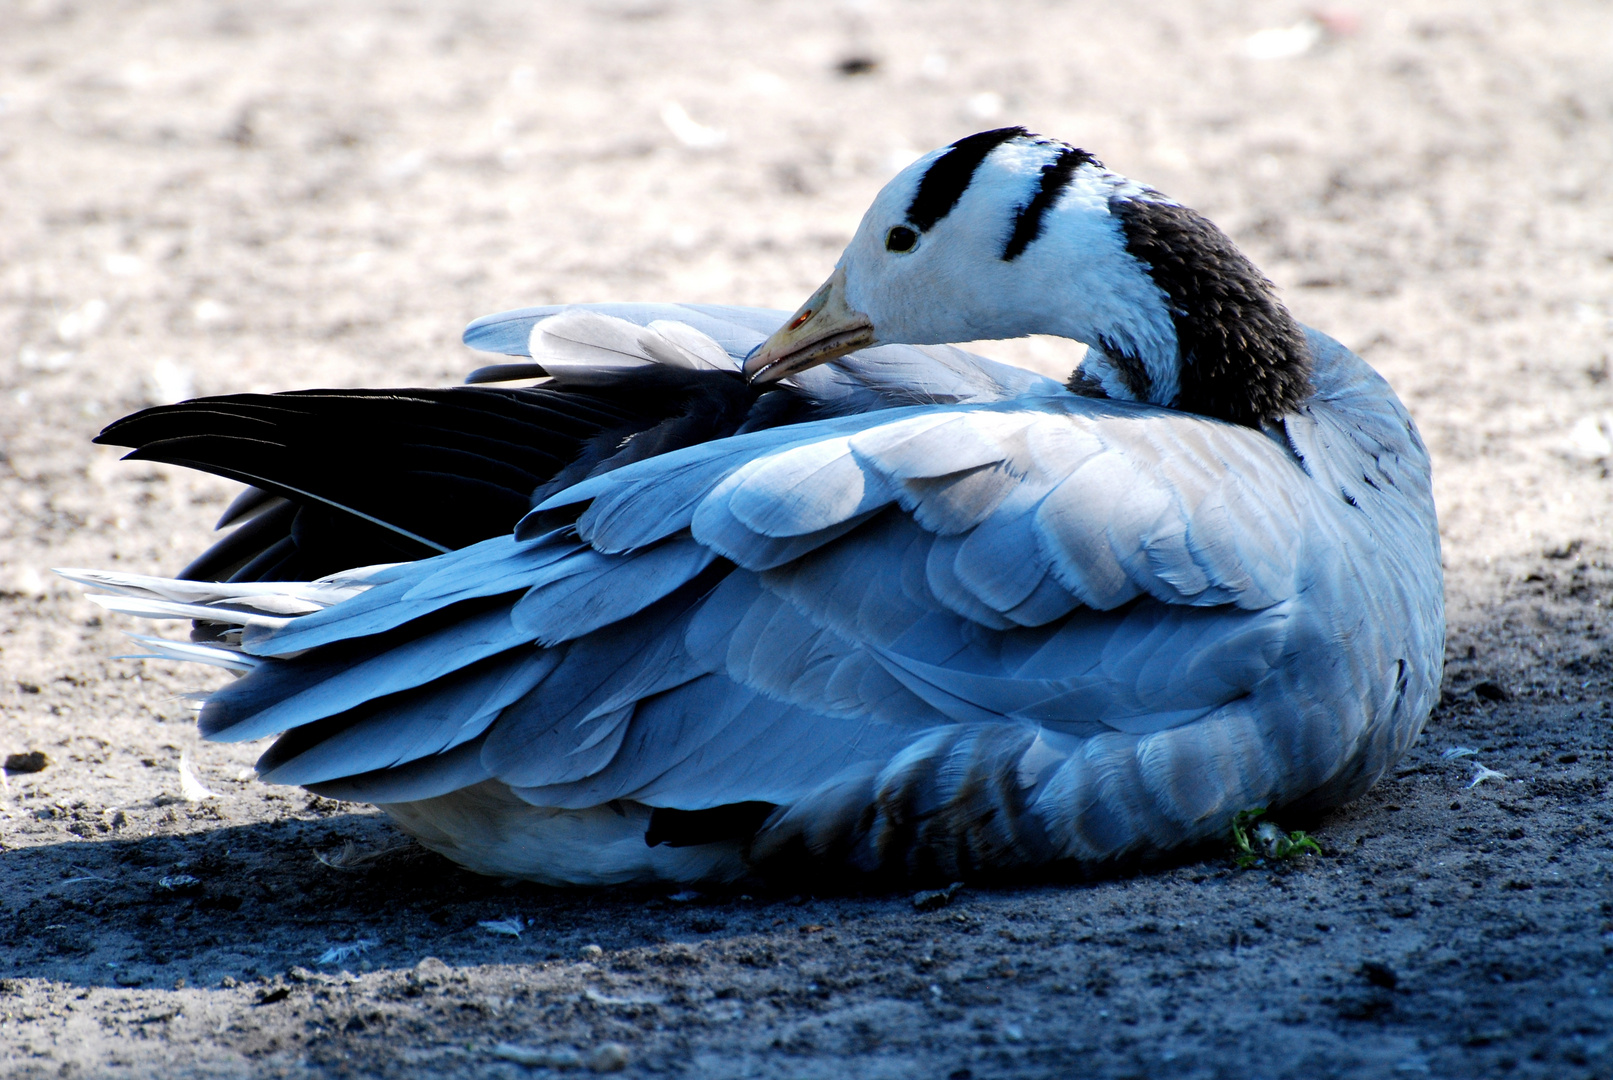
1014	606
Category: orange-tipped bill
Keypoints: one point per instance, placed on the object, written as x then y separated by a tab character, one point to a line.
824	328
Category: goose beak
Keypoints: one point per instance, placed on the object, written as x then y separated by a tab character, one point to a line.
823	328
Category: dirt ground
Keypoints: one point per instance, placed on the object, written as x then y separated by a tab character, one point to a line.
204	198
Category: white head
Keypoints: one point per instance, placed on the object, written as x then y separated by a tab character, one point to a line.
1005	233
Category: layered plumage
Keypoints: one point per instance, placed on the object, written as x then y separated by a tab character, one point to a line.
909	611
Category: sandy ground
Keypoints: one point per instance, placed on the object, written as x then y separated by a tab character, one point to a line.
204	198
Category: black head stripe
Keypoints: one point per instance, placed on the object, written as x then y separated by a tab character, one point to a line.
948	177
1055	178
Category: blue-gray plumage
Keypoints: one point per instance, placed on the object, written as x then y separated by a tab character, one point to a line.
945	617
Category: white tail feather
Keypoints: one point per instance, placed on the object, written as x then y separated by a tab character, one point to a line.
581	347
269	597
142	608
218	655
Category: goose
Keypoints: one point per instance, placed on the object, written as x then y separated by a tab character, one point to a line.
731	592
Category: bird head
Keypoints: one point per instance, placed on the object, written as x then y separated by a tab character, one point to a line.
1005	233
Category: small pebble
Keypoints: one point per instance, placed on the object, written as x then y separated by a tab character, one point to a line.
1379	974
608	1057
431	971
31	762
549	1057
591	952
934	899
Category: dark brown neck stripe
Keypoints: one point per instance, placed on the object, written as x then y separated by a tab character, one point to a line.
1243	357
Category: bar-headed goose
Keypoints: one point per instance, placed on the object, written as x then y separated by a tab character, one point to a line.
726	596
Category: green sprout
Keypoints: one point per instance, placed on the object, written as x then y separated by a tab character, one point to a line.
1255	841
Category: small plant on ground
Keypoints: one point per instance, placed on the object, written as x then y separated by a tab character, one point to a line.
1254	841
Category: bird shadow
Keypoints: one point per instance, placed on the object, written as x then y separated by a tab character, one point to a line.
347	892
342	891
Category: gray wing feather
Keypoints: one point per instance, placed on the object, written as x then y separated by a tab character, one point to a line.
871	589
491	568
769	754
423	779
1158	666
622	664
437	717
592	691
940	573
664	730
800	491
934	444
774	647
999	563
589	590
1109	522
554	752
719	530
271	699
655	498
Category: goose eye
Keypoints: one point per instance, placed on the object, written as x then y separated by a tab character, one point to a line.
901	238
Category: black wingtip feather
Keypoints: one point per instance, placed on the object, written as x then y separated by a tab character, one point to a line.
374	476
495	373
